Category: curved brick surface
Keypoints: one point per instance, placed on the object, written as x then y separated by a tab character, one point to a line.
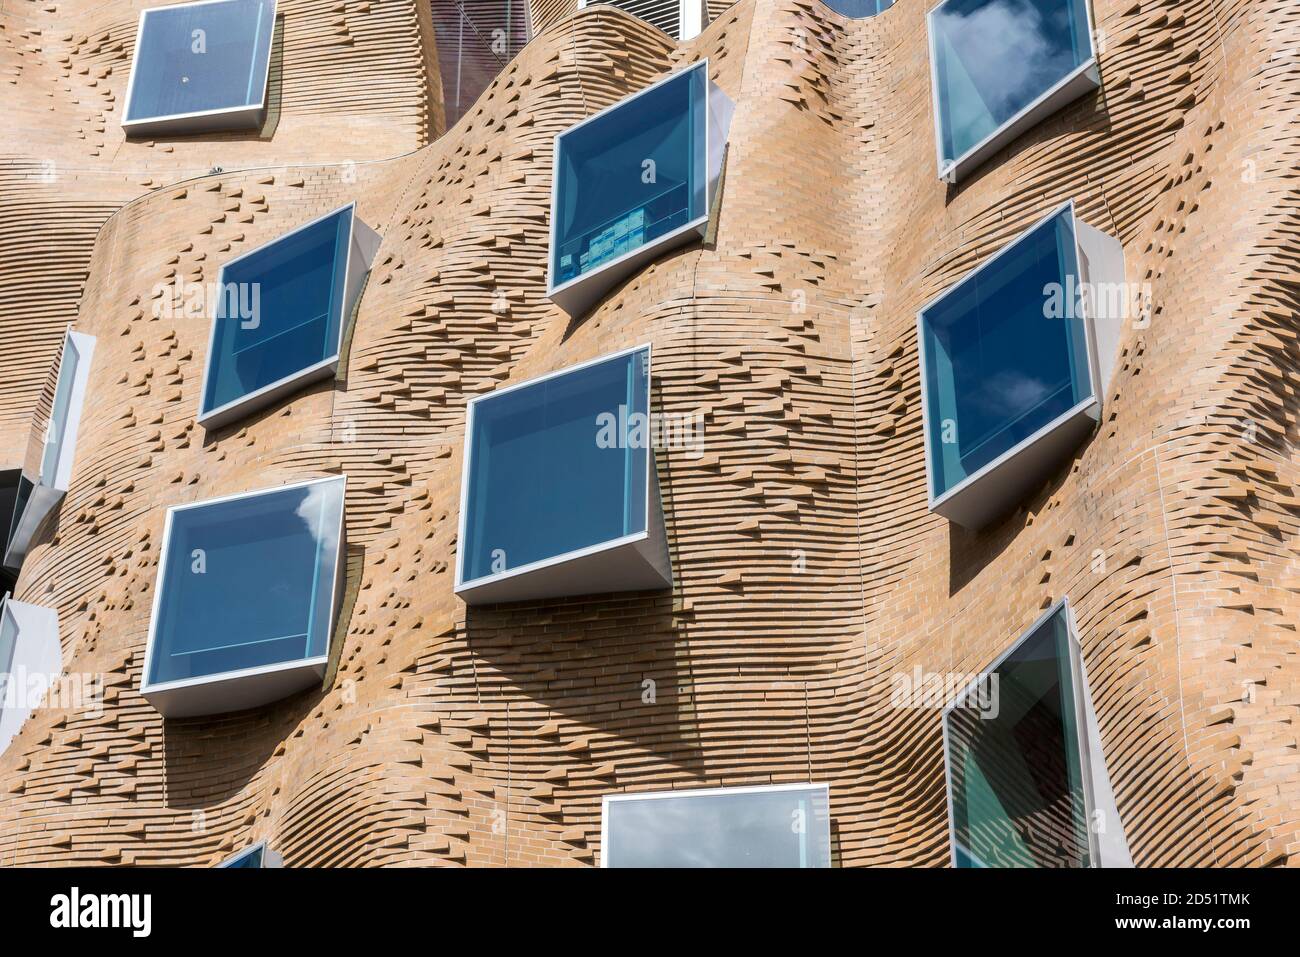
809	570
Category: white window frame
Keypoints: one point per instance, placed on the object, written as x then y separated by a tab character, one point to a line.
488	585
609	799
1095	254
578	294
363	243
279	680
1077	83
48	491
36	651
1108	850
249	116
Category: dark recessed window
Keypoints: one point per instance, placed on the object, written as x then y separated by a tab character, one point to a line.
1027	783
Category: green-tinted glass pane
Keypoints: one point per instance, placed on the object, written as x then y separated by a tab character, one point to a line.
1015	770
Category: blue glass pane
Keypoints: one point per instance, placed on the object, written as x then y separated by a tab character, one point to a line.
249	858
201	57
281	310
248	582
1015	767
993	58
859	9
558	465
785	828
631	175
999	365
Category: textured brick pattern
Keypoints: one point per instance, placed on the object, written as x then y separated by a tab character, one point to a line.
809	570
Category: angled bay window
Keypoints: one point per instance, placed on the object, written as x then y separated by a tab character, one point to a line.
279	316
51	449
200	67
680	19
1027	781
247	592
559	494
1014	360
31	658
1000	66
633	181
774	826
254	856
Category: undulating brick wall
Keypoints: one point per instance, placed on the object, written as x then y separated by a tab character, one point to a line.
809	571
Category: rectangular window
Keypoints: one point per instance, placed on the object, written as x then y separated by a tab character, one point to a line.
1023	760
51	449
1000	66
633	181
200	67
777	826
31	660
558	469
245	600
1006	360
279	315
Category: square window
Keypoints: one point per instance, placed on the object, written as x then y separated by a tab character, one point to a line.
1023	758
559	495
200	67
1010	368
633	181
245	601
51	449
777	826
280	313
31	660
1001	66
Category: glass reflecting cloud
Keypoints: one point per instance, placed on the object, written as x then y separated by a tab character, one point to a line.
997	370
557	465
740	827
630	175
200	57
280	312
994	58
1015	773
247	582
